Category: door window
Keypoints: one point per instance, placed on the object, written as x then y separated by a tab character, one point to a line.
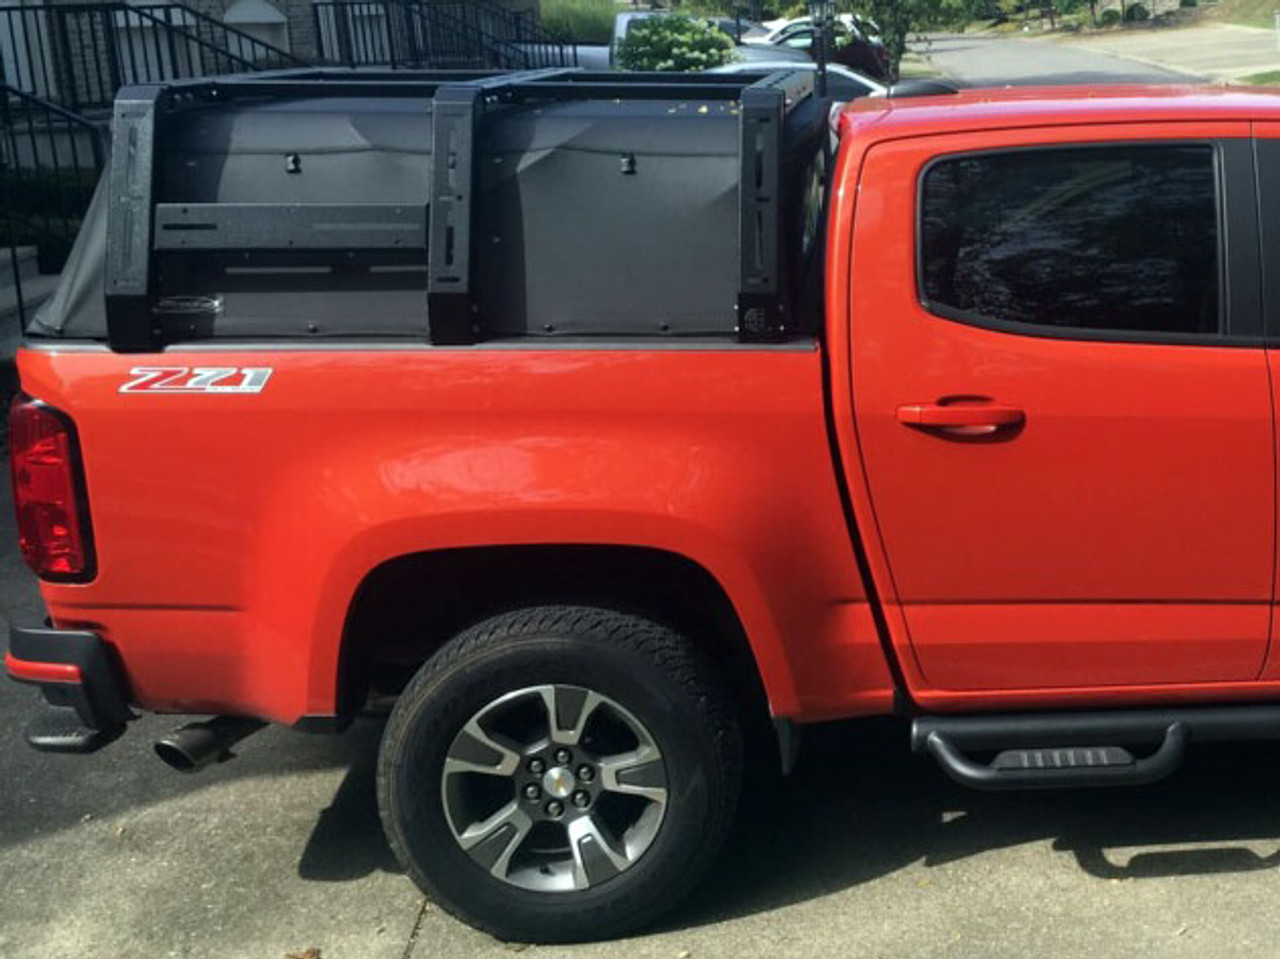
1116	238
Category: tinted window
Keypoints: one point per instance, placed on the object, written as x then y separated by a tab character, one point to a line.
1097	238
840	87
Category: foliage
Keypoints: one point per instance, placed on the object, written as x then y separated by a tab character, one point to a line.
1136	12
854	51
749	9
897	20
1187	4
964	11
1109	18
1253	13
579	21
674	42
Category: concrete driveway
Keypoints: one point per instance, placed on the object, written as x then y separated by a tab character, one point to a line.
996	60
1220	51
866	852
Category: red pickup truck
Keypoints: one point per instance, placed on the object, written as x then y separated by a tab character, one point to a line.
624	425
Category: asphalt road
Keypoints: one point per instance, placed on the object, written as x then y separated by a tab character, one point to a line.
996	61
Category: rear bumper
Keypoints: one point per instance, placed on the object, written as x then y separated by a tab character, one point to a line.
79	678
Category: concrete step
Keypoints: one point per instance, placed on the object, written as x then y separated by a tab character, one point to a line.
27	265
35	291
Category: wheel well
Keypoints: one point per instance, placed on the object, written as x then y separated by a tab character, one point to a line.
409	607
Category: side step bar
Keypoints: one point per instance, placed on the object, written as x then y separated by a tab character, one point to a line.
1063	750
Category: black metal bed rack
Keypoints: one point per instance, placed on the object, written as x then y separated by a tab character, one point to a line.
138	227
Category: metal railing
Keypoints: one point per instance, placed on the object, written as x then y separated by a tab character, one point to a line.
50	160
79	55
412	34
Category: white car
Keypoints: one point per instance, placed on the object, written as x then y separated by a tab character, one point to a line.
780	30
842	83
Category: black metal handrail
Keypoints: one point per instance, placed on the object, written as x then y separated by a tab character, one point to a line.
437	34
510	40
50	160
78	55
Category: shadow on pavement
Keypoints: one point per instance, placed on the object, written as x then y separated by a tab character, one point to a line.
860	807
347	842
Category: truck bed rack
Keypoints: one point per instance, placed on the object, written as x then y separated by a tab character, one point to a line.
142	228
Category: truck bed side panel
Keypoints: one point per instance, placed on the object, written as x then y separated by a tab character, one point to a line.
233	529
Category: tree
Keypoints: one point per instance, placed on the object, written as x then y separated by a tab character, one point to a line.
897	20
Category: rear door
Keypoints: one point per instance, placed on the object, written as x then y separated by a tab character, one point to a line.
1267	161
1063	404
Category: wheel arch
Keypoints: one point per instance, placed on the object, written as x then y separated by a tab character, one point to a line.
409	606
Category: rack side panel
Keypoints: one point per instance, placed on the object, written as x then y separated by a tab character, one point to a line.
455	132
128	266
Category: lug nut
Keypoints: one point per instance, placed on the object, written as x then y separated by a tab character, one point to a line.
563	757
537	766
532	791
581	799
586	773
555	808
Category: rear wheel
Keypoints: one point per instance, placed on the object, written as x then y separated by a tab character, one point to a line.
560	773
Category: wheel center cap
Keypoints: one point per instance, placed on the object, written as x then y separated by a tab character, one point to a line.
558	782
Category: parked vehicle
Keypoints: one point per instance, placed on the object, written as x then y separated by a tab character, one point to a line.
843	84
773	32
854	43
622	435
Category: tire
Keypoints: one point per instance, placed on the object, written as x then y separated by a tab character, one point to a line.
658	759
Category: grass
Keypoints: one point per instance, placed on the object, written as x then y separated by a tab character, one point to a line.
579	21
1270	78
1249	13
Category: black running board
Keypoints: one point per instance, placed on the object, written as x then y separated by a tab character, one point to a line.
1069	750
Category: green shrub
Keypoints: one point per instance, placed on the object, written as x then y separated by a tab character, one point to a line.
674	43
1108	18
1136	12
579	21
1187	4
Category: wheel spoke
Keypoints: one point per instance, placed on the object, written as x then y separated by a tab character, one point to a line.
475	751
640	772
494	841
595	858
509	756
568	710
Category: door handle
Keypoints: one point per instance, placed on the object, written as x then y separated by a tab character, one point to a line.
962	419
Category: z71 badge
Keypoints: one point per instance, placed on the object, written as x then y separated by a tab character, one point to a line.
197	379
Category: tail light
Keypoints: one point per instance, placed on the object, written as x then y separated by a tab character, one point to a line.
49	492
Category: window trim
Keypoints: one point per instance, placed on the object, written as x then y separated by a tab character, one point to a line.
1238	324
1267	147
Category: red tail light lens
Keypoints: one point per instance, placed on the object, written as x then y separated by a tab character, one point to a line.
49	492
